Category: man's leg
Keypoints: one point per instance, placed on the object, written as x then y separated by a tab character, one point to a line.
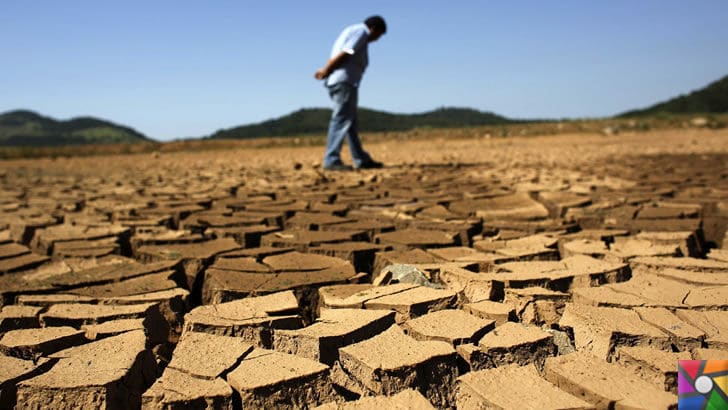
358	155
342	119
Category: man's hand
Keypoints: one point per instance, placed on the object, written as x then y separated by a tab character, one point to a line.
331	65
321	73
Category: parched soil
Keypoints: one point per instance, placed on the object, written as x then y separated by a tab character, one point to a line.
568	271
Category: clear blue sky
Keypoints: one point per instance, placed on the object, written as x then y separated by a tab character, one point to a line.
182	68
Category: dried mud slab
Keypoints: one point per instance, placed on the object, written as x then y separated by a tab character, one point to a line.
246	236
176	389
406	399
713	323
356	295
14	371
195	375
720	255
600	330
157	282
496	311
629	248
86	249
509	343
452	326
43	301
235	278
19	317
392	361
688	242
11	250
270	379
510	387
584	375
693	278
22	262
111	373
710	354
538	247
30	344
251	319
359	254
414	302
683	335
406	239
653	290
113	328
258	253
194	256
241	264
78	314
297	261
537	306
461	254
315	221
301	240
669	211
333	329
63	278
208	356
45	240
407	300
22	228
156	235
655	366
463	229
571	273
690	264
518	206
594	248
559	202
601	235
474	287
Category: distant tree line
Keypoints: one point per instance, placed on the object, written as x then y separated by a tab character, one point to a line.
711	99
316	121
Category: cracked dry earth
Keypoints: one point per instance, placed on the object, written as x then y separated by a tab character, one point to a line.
564	272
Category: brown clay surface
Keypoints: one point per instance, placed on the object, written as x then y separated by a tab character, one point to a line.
392	361
487	309
112	372
270	379
513	386
599	330
19	317
657	366
176	389
450	325
404	400
583	375
31	343
159	275
334	328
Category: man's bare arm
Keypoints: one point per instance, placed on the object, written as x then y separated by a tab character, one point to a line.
331	65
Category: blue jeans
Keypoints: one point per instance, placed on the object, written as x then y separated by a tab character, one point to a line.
344	124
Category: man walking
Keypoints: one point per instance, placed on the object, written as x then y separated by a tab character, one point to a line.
342	75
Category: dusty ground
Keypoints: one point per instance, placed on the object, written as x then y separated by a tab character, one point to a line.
568	271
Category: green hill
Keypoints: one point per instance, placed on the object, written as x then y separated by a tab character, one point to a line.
316	121
711	99
27	128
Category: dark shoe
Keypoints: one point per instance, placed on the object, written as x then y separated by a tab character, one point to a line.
338	167
371	164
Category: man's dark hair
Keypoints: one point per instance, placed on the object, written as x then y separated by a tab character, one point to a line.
376	22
